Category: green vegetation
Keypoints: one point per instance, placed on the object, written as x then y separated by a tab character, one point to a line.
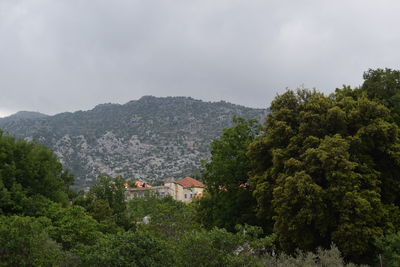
99	228
322	178
317	185
229	201
29	173
325	170
106	202
23	242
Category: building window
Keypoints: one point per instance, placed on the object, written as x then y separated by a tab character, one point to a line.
191	195
185	195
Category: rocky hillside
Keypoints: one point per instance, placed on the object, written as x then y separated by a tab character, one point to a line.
149	139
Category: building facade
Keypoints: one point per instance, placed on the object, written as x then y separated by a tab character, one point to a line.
184	190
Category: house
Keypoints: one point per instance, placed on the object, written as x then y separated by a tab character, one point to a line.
184	190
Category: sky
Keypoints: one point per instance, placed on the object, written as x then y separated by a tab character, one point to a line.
69	55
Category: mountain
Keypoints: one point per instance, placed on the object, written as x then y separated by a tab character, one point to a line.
148	139
22	115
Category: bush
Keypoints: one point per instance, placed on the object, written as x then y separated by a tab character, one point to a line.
327	258
127	249
390	246
23	242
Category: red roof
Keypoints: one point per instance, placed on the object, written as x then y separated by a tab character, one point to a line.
142	184
188	182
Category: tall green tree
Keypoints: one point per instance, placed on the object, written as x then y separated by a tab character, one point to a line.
72	227
106	201
390	246
317	171
228	200
384	86
29	171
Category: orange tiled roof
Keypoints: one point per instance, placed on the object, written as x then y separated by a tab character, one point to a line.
142	184
188	182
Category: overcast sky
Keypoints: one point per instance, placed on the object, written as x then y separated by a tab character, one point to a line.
68	55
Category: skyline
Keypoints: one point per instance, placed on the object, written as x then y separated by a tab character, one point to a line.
90	108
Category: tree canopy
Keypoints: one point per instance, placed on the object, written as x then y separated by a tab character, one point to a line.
326	170
229	200
28	173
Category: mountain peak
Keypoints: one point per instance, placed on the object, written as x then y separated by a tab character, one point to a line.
147	97
24	115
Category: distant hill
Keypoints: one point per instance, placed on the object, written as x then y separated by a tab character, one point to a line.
149	139
22	115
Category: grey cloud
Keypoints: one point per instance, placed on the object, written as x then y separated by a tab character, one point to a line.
73	54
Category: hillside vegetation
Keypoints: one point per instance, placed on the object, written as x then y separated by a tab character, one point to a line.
148	139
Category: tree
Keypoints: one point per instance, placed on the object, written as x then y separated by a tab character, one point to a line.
106	201
384	86
169	218
72	227
228	200
390	246
24	242
128	249
27	171
317	171
218	247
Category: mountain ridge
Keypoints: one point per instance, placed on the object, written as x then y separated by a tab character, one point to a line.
152	138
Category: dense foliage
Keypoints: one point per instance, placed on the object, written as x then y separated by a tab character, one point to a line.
99	228
23	242
324	170
29	173
319	180
229	201
106	202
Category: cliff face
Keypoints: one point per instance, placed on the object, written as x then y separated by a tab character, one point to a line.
149	139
